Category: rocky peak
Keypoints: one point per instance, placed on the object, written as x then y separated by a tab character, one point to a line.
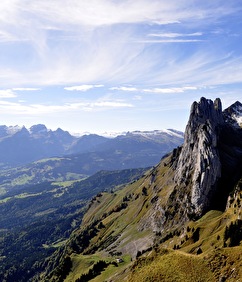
233	114
23	132
38	129
3	131
198	167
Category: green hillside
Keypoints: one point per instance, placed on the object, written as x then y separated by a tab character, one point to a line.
124	224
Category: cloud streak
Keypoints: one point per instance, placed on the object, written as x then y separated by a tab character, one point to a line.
171	41
7	107
171	90
124	88
83	88
174	35
26	89
7	93
156	90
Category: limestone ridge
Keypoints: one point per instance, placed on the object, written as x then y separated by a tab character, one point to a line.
198	165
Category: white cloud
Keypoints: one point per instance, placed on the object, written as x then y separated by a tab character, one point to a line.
112	104
170	41
7	93
85	87
124	88
26	89
99	12
22	108
137	98
170	90
155	90
5	36
174	35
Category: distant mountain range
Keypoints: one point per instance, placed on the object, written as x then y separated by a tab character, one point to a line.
20	146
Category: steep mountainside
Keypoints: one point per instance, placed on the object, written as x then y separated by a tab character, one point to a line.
185	212
19	146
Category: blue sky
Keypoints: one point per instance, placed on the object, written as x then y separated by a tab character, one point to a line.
109	65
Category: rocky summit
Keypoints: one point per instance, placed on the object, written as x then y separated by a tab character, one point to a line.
210	158
199	164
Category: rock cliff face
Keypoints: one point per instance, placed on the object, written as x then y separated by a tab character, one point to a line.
212	148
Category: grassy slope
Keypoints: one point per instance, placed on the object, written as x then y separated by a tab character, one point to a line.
215	263
171	266
124	233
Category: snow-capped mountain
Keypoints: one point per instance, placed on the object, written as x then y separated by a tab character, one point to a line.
170	132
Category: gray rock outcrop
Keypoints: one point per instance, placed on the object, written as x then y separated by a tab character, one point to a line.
209	163
199	164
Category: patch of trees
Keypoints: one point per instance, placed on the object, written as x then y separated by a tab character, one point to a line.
96	270
63	269
140	253
82	240
233	234
195	235
144	191
120	207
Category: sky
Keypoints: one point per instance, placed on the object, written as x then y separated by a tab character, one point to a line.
116	65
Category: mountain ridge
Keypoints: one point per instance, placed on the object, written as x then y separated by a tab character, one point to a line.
20	146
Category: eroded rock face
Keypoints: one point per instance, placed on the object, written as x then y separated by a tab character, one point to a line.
199	165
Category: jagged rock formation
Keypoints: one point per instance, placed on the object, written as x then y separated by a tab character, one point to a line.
212	148
199	161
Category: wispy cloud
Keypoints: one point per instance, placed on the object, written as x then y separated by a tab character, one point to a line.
174	35
21	108
170	90
83	88
170	41
99	40
155	90
7	93
112	104
11	93
26	89
124	88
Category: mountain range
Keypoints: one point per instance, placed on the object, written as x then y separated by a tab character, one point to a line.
21	146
